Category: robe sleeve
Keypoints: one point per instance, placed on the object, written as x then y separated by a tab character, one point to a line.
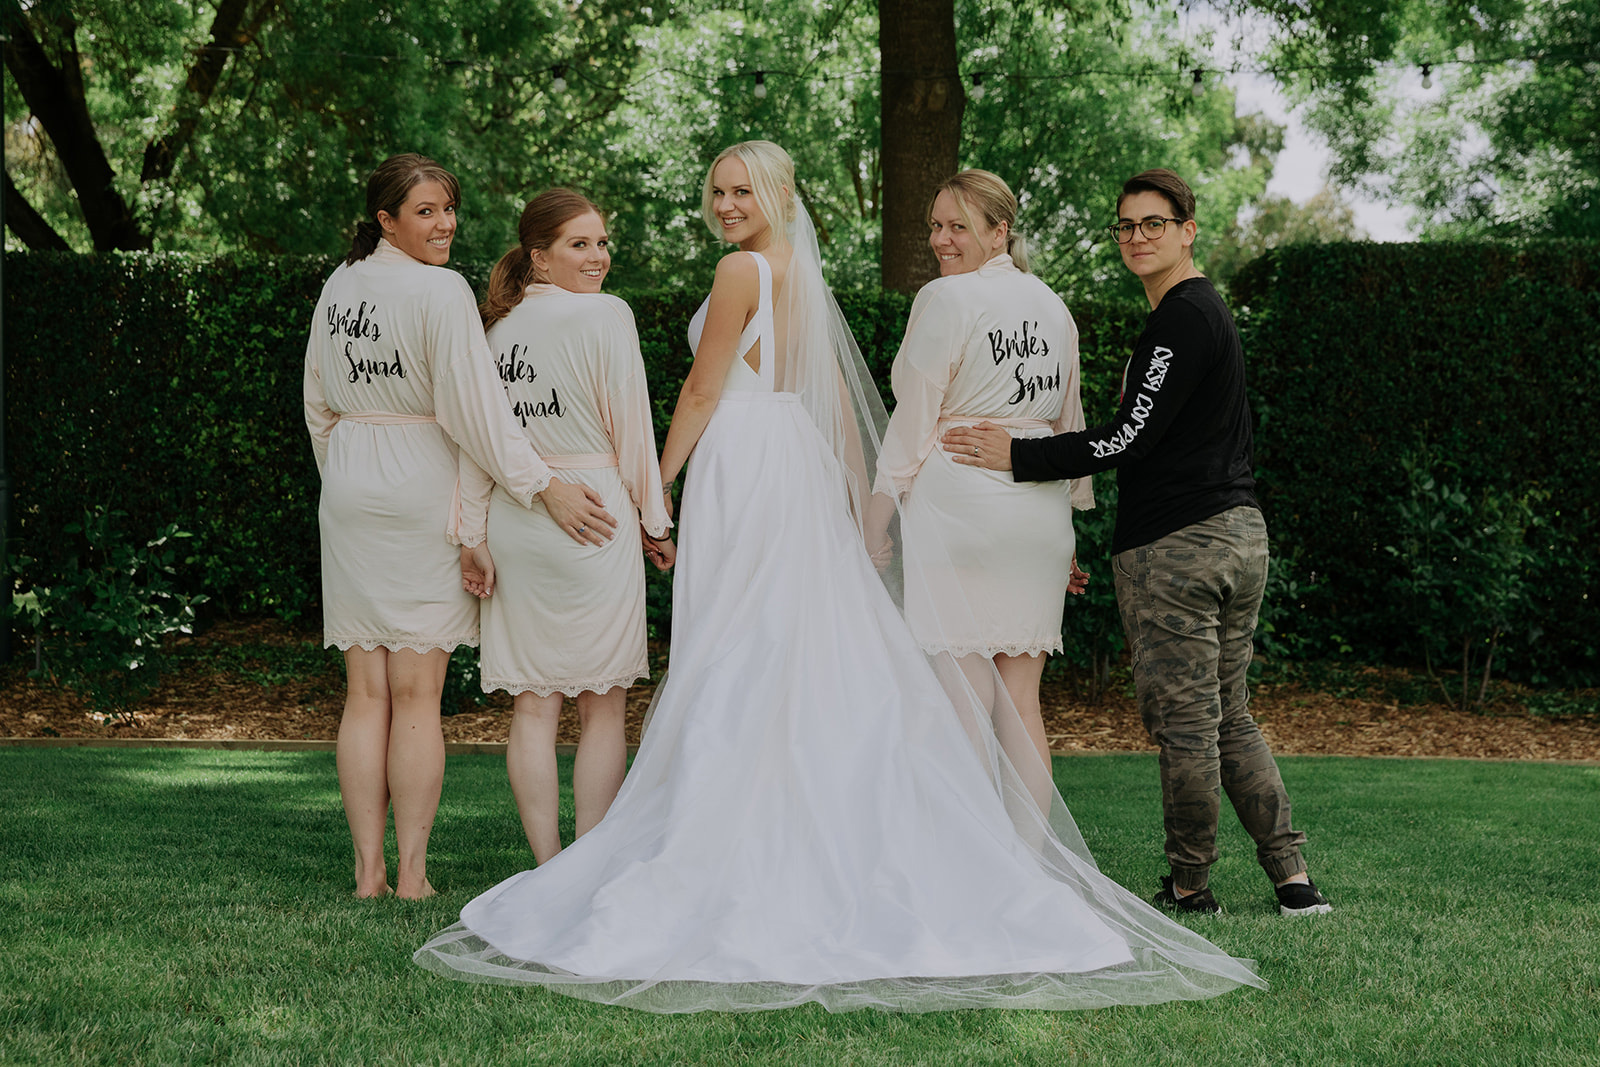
470	401
626	413
1081	490
927	362
469	523
320	418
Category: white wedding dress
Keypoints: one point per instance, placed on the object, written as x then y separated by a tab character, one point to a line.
807	818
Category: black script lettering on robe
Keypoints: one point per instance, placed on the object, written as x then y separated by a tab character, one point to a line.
353	322
538	409
1025	345
364	369
512	367
1030	385
1020	344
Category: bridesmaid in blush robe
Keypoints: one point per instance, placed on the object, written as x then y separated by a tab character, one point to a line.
398	378
566	618
986	341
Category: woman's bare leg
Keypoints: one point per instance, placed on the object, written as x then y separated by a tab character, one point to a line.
362	758
416	761
602	760
1021	675
531	766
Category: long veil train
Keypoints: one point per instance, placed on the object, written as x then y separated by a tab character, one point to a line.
819	810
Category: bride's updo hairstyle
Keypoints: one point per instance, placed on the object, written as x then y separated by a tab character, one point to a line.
771	180
988	195
387	190
539	228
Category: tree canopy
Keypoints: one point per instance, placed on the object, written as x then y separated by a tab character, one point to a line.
1483	116
220	125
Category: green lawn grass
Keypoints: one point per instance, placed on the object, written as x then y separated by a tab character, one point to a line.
194	907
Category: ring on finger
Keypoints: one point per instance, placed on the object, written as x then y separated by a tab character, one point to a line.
582	528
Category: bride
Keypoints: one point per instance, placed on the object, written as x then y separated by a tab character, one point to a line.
817	812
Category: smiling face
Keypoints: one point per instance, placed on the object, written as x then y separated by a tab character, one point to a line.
961	248
733	203
1154	260
579	259
425	225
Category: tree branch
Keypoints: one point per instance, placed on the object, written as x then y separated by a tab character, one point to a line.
55	96
29	226
228	34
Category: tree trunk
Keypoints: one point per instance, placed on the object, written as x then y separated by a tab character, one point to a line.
55	96
921	101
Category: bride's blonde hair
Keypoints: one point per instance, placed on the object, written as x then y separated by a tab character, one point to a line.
771	180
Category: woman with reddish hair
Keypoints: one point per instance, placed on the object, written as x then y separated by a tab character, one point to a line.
567	615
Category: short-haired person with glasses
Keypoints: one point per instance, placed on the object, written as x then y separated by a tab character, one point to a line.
1189	548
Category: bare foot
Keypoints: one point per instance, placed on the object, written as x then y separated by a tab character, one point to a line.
427	891
378	895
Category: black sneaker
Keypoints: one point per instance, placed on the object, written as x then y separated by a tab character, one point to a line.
1302	898
1201	903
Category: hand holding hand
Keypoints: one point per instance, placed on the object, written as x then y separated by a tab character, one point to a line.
579	510
983	445
477	571
1077	581
882	554
663	553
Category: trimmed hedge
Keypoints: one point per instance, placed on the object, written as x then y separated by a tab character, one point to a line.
168	387
1485	355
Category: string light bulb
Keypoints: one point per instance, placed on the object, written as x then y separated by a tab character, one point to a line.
977	86
1198	88
558	81
761	85
1427	75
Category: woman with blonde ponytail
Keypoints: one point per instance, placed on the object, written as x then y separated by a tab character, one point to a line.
566	618
986	341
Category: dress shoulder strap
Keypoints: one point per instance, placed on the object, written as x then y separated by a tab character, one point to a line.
763	325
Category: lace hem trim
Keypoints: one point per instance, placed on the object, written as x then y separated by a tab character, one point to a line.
408	643
1022	648
571	689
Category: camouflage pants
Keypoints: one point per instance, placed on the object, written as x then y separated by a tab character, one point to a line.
1189	603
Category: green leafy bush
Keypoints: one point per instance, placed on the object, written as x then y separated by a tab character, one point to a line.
98	628
1482	352
1462	582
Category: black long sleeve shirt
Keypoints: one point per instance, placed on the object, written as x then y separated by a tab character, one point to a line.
1181	441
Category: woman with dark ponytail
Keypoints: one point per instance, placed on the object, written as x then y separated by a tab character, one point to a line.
398	380
565	619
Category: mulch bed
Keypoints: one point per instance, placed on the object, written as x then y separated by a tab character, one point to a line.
198	701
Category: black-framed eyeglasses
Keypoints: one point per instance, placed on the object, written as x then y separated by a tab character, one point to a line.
1151	228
